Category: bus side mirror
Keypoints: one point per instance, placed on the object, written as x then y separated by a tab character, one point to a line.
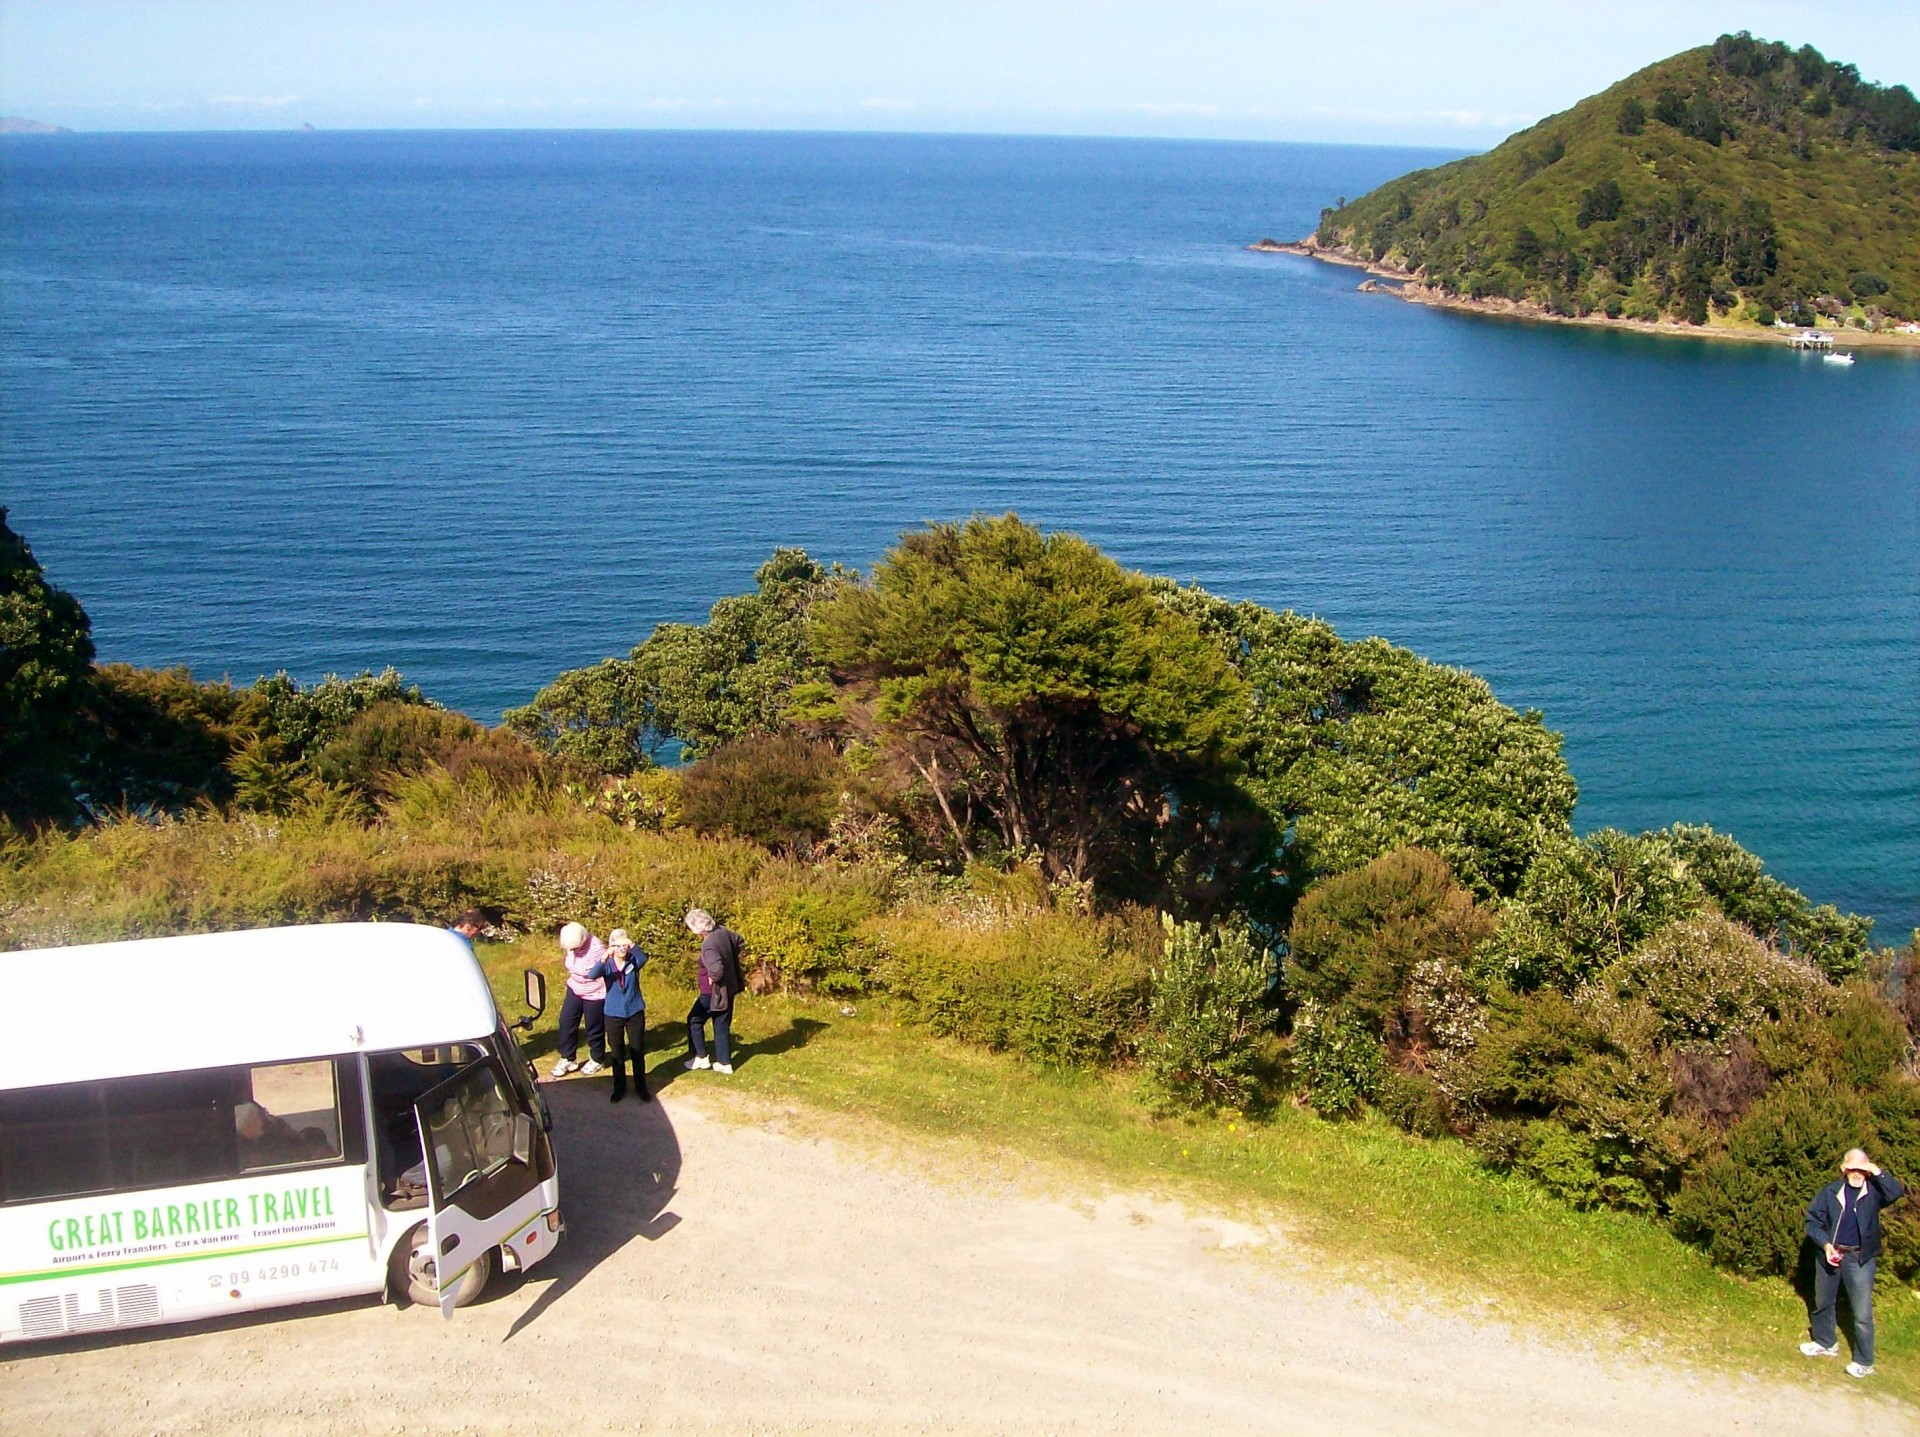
536	991
523	1139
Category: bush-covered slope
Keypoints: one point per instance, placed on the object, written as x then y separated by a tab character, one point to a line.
1743	178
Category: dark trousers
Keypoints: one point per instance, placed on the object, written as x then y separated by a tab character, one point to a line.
572	1009
1857	1277
697	1016
627	1039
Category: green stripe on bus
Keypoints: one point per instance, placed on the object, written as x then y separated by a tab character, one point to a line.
7	1278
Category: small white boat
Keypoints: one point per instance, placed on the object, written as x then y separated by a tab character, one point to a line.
1836	357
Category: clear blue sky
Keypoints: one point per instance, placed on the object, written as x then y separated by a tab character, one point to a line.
1439	72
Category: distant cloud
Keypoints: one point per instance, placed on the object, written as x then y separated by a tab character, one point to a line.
1457	119
887	104
252	102
1191	110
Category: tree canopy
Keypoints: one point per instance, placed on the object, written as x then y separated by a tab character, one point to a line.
1357	749
1032	678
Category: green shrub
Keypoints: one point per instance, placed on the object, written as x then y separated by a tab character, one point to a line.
1709	981
306	718
1746	1207
1835	941
1358	941
649	799
389	741
1414	1101
160	740
1054	987
1587	903
810	940
776	789
1207	1009
1338	1061
1869	1040
1580	1169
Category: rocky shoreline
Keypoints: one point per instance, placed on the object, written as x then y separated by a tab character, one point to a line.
1414	290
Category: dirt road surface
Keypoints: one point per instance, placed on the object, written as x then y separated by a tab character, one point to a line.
730	1275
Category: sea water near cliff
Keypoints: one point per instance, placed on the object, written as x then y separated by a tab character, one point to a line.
487	405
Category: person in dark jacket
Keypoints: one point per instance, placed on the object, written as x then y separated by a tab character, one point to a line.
626	1013
1843	1224
720	983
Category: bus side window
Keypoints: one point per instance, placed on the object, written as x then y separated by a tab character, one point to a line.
170	1129
287	1113
53	1142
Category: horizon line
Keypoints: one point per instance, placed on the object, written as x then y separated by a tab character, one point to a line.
308	128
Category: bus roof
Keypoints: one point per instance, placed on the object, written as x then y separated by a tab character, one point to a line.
161	1005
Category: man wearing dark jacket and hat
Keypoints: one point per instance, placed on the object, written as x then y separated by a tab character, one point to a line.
1843	1224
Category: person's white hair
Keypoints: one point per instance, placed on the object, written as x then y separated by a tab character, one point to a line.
573	935
700	921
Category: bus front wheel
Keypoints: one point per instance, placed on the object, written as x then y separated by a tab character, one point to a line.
414	1273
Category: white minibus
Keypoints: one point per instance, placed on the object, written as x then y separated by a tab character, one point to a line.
212	1124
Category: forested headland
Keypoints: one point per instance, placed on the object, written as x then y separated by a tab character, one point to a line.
1032	800
1735	184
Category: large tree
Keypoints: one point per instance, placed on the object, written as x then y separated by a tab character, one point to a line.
1031	681
46	659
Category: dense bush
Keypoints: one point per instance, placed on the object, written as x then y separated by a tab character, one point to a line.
1050	986
699	686
1207	1009
1619	1037
389	741
1708	981
1356	749
161	741
778	789
1746	1206
1338	1060
1383	942
812	940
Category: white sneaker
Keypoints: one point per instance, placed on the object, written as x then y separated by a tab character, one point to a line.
563	1067
694	1065
1814	1349
726	1068
591	1068
1854	1369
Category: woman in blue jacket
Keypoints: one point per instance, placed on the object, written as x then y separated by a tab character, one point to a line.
626	1013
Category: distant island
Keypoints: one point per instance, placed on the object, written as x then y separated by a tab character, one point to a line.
1736	188
15	125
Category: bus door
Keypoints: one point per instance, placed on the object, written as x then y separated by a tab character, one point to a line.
482	1183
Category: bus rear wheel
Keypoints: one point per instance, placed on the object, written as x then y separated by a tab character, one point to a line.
415	1275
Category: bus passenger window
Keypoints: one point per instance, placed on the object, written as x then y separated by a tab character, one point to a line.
288	1113
53	1142
170	1128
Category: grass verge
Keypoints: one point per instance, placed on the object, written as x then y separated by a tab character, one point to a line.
1396	1210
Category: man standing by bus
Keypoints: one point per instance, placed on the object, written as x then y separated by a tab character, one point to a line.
1843	1224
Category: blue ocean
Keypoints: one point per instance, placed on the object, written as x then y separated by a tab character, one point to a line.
488	405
